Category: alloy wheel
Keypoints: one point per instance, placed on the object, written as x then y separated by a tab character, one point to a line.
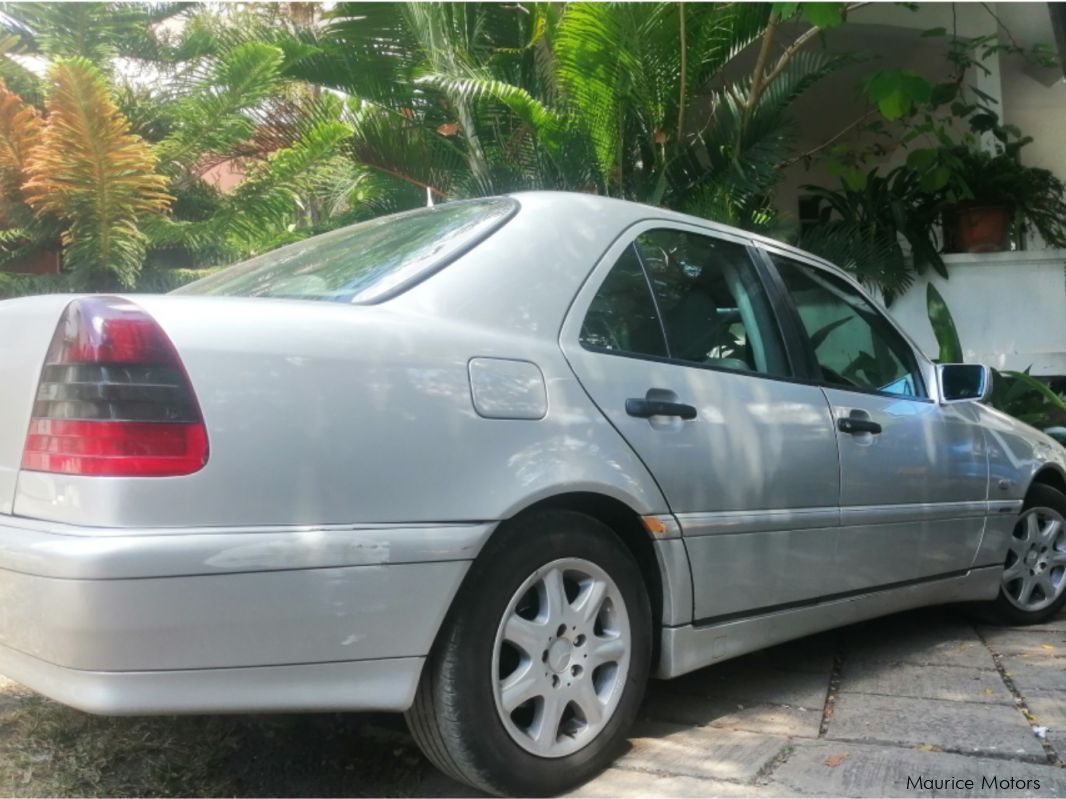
1035	573
561	657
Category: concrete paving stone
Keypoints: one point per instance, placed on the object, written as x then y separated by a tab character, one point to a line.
1035	673
751	680
966	727
614	781
907	639
813	654
954	683
623	782
1057	624
1049	709
701	752
1026	642
846	769
662	705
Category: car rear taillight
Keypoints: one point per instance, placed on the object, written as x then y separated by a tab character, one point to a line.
114	399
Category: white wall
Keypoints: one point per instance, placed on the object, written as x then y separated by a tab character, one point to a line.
1009	308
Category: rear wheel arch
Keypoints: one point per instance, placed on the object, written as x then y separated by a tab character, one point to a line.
457	702
625	523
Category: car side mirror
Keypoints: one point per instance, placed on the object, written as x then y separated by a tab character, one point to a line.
964	382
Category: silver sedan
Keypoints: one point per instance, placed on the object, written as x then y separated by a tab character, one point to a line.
493	464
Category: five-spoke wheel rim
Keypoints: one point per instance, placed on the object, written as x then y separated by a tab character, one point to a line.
561	657
1035	573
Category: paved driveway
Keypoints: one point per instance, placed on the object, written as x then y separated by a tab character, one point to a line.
923	696
858	712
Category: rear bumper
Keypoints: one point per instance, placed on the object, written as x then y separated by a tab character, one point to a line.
120	621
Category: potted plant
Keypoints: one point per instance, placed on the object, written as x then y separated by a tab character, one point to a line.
1001	199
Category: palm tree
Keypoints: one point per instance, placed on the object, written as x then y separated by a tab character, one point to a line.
643	101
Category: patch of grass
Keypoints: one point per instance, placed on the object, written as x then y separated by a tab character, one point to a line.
47	749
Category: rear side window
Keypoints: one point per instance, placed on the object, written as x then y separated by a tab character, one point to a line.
713	306
365	263
622	317
690	298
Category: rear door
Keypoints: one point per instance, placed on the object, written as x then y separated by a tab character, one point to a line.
914	473
674	338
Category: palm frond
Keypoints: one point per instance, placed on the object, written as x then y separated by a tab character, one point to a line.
214	117
20	128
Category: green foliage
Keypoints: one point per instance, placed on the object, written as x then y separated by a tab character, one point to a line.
897	91
630	100
207	94
24	285
212	118
947	336
1033	196
98	32
870	221
1028	399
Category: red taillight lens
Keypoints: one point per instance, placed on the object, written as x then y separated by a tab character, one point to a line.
114	398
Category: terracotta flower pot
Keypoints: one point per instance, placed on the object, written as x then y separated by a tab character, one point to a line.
982	228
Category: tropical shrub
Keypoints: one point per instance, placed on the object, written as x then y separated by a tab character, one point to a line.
142	117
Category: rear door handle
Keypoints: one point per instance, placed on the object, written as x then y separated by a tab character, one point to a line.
852	425
645	408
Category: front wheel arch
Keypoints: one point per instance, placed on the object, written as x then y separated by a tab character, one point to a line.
1048	476
1006	610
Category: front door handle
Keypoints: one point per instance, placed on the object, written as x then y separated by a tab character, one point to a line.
853	425
645	408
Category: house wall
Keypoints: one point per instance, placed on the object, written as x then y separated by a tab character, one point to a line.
1007	307
889	36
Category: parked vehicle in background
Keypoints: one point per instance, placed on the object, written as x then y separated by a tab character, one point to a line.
492	464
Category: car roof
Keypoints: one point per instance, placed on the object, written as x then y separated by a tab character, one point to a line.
640	211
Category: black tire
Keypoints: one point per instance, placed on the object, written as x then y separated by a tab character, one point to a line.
454	718
1001	610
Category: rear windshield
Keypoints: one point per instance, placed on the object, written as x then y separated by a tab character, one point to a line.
365	263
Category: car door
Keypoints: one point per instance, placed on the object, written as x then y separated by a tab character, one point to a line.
914	473
674	339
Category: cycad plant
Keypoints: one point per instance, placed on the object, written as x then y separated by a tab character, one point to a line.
643	101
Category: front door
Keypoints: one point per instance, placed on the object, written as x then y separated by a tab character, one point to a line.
914	473
674	339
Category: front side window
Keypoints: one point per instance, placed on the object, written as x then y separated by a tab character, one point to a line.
364	263
854	345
